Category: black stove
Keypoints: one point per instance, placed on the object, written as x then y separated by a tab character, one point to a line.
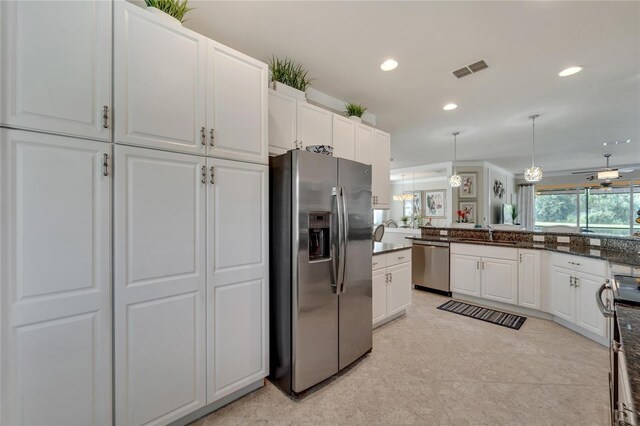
626	289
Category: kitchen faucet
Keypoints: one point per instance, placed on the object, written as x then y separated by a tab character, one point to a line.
490	228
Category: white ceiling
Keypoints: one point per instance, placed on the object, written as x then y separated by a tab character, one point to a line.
525	43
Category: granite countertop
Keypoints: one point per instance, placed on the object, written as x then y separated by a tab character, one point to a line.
380	248
629	325
613	256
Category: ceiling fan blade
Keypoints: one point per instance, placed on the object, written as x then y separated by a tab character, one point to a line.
585	172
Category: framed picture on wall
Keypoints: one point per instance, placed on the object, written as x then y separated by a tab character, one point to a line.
469	209
412	206
468	189
434	203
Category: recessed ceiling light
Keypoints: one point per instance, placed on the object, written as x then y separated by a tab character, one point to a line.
605	144
389	64
628	140
570	71
449	107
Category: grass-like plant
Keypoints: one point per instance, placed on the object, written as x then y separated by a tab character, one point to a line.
175	8
354	109
286	71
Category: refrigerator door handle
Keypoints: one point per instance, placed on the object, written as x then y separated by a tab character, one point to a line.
337	270
345	232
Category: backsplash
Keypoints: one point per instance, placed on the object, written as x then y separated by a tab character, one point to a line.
625	244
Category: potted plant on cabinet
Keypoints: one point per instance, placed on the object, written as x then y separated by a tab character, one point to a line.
405	220
355	111
288	77
172	11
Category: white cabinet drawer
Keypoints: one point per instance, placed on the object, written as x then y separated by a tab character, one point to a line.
397	257
506	253
580	264
379	261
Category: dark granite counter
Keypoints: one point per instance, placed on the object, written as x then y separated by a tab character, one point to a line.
629	325
380	248
613	256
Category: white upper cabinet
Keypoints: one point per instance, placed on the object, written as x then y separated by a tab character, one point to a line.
56	67
344	137
236	105
380	161
282	123
159	285
237	279
55	282
159	82
314	125
364	143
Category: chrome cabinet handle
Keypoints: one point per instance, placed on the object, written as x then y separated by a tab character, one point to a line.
477	264
105	117
203	173
390	277
105	164
213	176
202	136
211	137
570	281
520	257
607	313
576	282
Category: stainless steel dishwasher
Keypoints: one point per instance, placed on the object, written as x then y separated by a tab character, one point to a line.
430	266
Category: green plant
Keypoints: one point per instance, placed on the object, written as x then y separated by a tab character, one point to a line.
404	219
514	212
175	8
354	109
286	71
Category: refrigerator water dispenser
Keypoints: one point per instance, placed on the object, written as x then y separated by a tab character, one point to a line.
319	236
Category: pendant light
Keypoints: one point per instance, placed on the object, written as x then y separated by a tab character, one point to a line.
533	173
403	196
455	180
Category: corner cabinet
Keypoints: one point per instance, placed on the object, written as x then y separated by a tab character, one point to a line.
391	285
55	67
159	82
55	281
237	280
236	105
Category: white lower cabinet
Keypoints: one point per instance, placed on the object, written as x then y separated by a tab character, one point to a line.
500	280
237	280
55	282
465	274
391	284
529	281
159	286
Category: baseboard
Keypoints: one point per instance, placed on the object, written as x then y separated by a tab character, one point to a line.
532	313
207	409
389	319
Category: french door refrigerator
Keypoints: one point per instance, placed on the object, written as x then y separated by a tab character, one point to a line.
320	274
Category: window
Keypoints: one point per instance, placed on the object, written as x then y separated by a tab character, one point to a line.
600	210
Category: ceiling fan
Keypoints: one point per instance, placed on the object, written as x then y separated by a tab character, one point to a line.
605	174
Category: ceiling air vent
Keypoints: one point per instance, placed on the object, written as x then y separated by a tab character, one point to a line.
470	69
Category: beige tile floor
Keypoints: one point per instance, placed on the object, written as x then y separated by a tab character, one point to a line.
437	368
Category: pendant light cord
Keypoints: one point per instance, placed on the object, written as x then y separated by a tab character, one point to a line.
533	139
455	151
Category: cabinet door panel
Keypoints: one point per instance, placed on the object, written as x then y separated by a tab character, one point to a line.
314	125
282	123
364	144
344	137
399	288
562	294
500	280
379	294
236	105
529	279
237	289
380	157
56	73
159	285
465	274
55	282
588	315
159	82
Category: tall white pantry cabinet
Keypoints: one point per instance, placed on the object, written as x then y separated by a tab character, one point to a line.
139	269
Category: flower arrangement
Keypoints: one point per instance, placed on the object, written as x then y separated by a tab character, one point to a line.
463	216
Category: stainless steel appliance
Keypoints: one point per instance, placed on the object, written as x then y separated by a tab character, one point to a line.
626	290
320	274
430	266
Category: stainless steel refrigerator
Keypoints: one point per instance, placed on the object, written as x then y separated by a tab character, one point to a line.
320	274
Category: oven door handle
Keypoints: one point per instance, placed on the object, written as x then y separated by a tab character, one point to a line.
607	313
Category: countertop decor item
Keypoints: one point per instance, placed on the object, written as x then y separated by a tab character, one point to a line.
289	77
321	149
533	173
175	9
354	111
455	180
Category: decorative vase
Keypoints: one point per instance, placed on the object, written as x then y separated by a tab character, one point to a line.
356	118
288	90
168	19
